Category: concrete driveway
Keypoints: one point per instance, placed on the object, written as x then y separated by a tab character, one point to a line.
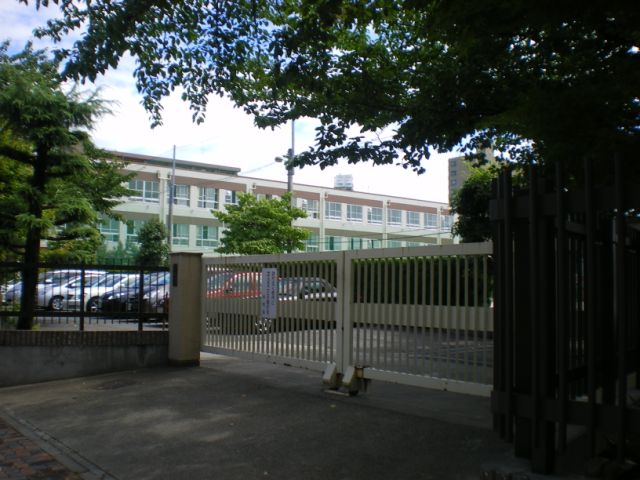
233	419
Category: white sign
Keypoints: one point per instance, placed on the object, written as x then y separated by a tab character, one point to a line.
269	293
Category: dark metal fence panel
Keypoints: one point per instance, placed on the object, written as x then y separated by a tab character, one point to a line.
89	297
567	300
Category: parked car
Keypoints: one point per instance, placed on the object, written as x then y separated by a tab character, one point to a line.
246	285
58	297
294	289
117	299
154	295
305	288
230	284
11	292
94	288
234	285
47	281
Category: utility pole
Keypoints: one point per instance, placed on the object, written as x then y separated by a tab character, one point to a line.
292	153
172	188
288	163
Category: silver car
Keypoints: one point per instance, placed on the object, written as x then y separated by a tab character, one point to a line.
54	297
46	282
94	288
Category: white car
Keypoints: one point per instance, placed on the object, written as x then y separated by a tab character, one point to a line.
46	282
93	290
55	297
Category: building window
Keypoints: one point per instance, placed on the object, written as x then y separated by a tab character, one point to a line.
395	217
447	221
311	207
180	234
335	243
181	195
110	229
208	198
354	213
453	182
133	228
333	210
312	244
413	219
231	197
374	215
206	236
431	220
145	190
356	243
394	243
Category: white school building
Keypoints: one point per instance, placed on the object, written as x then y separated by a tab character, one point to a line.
338	218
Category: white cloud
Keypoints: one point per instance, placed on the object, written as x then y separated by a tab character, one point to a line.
228	136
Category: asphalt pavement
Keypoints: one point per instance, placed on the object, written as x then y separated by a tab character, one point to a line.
235	419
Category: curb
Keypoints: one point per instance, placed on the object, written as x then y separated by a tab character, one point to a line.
65	455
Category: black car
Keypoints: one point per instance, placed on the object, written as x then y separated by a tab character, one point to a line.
155	295
305	288
120	299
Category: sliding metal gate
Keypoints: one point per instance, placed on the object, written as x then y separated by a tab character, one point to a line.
421	316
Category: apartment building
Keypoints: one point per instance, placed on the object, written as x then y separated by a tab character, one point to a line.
338	219
460	169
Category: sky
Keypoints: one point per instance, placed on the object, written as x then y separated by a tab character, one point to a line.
227	137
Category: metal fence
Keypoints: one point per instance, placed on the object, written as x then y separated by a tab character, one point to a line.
567	332
420	316
89	297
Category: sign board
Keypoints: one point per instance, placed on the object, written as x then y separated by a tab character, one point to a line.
269	293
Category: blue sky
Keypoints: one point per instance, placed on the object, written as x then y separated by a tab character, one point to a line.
227	137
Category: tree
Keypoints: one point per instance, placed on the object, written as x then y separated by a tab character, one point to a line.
121	255
154	249
538	81
261	226
13	176
471	204
57	183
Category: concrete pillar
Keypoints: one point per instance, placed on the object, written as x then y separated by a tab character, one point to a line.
184	311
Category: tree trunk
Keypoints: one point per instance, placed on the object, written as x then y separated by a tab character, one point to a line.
29	280
32	248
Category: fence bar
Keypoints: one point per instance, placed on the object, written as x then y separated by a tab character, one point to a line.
484	301
562	280
533	305
140	299
619	307
415	319
428	314
508	300
82	292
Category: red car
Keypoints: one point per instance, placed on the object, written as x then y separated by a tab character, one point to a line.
228	284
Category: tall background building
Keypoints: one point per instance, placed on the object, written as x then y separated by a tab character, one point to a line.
460	169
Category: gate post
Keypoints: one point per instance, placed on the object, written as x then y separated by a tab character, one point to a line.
344	332
184	310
